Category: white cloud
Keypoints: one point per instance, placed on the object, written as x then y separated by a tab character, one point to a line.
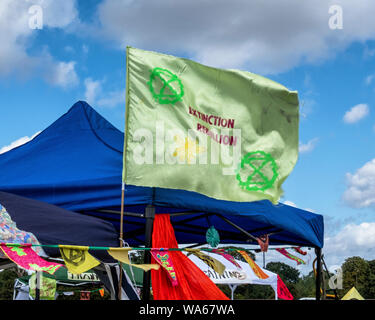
95	95
352	240
16	36
113	99
18	143
63	74
263	36
92	89
309	146
356	113
369	79
360	192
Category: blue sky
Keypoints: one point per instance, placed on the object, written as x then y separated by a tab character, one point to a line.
79	54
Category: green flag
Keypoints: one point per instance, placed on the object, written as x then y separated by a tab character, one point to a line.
227	134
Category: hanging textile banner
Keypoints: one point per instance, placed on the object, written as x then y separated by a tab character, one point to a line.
163	258
210	261
25	257
194	114
282	290
11	234
257	270
298	249
77	259
193	283
290	256
226	256
47	287
122	255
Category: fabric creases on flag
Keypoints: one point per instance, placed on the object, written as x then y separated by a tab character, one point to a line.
227	256
197	113
287	254
193	284
257	270
165	260
25	257
77	258
210	261
122	255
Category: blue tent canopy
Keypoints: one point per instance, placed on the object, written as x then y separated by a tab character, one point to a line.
76	164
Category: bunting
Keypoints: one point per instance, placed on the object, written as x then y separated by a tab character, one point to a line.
77	258
226	256
25	257
257	270
122	255
210	261
164	259
285	253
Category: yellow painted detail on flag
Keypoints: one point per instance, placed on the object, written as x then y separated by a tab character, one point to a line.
77	259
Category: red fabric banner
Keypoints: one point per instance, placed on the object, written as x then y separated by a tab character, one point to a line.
282	291
193	284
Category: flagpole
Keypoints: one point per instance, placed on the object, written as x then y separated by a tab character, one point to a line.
121	238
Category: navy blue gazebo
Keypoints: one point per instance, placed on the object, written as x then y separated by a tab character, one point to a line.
76	164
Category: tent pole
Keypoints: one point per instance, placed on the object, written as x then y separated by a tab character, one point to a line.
318	280
149	215
37	286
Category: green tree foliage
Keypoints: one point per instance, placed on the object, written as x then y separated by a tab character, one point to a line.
357	273
7	278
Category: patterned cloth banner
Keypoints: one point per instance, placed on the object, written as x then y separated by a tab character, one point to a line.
257	270
47	289
298	249
26	258
282	290
226	256
290	256
164	259
210	261
122	255
9	233
77	259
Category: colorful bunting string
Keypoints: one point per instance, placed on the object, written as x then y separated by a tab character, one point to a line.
27	258
210	261
257	270
290	256
164	259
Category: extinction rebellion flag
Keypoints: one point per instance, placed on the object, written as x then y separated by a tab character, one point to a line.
227	134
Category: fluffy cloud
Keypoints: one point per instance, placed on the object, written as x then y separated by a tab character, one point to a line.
309	146
18	143
356	113
352	240
360	192
16	35
94	94
263	36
